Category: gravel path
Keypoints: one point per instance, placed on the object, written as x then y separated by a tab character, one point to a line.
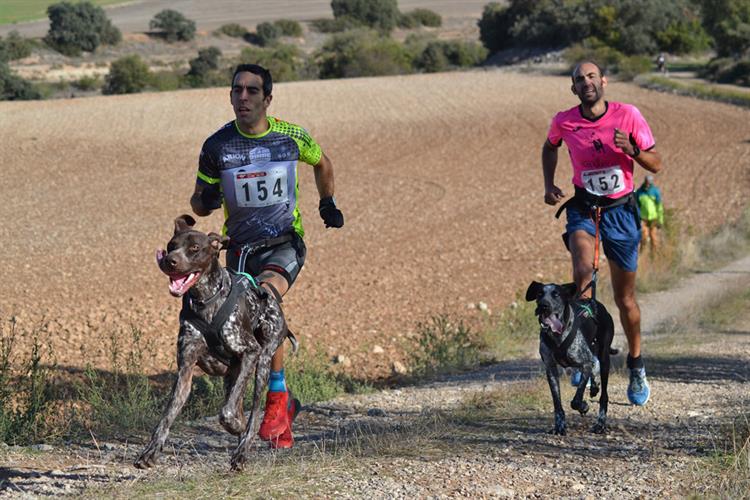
699	381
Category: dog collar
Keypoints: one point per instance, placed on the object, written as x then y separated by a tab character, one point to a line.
213	298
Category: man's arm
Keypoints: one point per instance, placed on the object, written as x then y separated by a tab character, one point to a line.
552	193
196	203
324	176
330	214
650	160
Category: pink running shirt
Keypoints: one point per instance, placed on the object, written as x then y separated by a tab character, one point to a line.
599	166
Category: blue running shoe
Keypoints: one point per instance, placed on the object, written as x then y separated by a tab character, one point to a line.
638	389
576	377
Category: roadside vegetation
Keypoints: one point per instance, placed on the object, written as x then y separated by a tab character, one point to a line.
623	36
41	403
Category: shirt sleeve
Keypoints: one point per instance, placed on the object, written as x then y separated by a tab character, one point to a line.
309	150
208	168
641	131
554	136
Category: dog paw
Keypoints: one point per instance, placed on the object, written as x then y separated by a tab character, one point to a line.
599	428
558	431
594	390
582	407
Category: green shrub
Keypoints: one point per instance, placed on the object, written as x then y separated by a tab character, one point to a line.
15	88
611	60
26	392
379	14
14	47
173	25
335	25
169	80
420	17
87	83
361	53
438	55
122	400
267	34
204	69
79	27
728	70
127	75
443	345
432	59
288	27
684	37
285	62
233	30
629	26
728	22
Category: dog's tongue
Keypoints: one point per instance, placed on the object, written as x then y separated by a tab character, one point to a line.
178	285
553	323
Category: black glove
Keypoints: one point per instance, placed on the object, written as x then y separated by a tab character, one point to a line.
211	198
331	215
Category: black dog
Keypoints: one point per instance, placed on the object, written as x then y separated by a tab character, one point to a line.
229	327
573	335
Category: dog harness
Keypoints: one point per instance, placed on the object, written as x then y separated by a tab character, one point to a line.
560	352
239	284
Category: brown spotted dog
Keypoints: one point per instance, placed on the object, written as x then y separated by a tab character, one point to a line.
229	327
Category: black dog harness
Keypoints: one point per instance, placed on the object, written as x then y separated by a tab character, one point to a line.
239	283
560	352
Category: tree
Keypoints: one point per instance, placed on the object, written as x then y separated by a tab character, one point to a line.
15	88
127	75
14	47
728	22
174	25
203	69
79	27
382	15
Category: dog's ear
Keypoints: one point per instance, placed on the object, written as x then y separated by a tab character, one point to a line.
183	223
218	241
569	290
533	291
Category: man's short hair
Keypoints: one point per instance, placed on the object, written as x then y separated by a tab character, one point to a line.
573	75
256	69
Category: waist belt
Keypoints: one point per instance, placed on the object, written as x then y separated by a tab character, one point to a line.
585	201
248	249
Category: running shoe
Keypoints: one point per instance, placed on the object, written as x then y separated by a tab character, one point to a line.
275	417
638	388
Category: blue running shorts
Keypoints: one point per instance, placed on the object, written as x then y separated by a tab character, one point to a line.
618	229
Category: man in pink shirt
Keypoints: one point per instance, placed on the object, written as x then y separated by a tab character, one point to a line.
604	140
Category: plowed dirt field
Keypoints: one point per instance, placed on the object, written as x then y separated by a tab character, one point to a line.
438	176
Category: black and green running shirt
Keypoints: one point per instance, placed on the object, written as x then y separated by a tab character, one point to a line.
257	175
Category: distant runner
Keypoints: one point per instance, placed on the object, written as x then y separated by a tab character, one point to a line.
604	139
652	213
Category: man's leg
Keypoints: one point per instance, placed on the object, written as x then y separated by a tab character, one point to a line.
623	285
281	408
279	282
652	233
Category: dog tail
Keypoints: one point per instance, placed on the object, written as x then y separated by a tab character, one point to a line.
293	340
613	351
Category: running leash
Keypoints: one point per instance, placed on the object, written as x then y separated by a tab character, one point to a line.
597	213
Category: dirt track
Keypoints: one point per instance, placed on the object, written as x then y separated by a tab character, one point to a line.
438	176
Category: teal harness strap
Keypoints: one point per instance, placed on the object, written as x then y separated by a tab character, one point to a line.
246	275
